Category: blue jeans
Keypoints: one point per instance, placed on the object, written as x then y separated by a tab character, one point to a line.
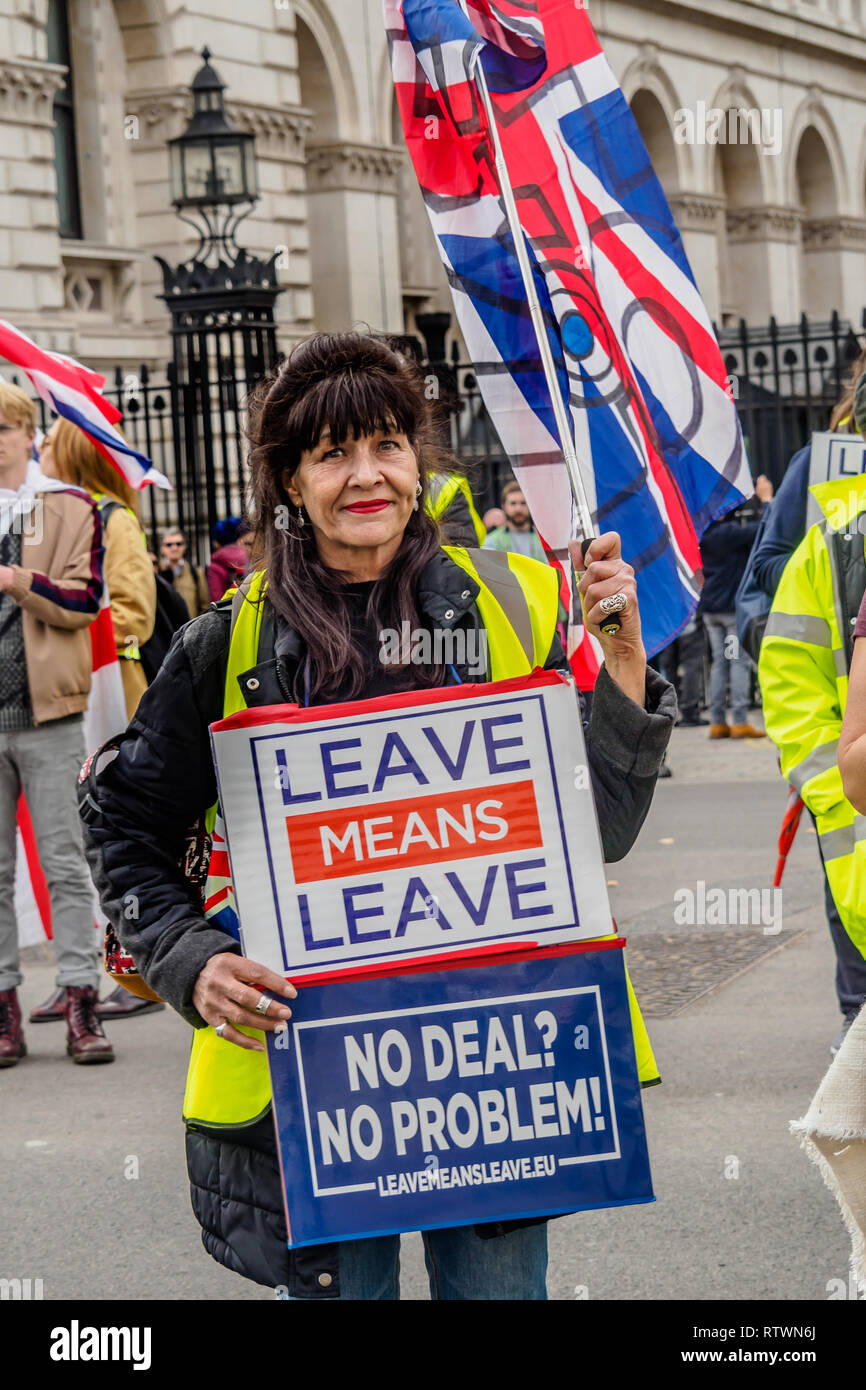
460	1266
728	661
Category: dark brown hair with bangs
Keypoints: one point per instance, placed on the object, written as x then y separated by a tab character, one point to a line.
353	384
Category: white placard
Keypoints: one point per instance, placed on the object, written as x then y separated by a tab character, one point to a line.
388	830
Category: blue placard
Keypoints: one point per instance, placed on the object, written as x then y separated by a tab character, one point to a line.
459	1096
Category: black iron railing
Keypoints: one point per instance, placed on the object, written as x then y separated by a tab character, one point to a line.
193	432
785	380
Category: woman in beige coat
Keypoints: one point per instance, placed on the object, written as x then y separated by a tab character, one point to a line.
68	454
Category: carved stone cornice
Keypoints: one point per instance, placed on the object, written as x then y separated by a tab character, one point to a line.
27	90
279	130
697	212
764	223
834	234
162	113
356	168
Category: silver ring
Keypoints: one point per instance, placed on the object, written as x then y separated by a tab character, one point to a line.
615	603
221	1027
263	1005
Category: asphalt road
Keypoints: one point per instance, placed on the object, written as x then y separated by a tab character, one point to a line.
741	1213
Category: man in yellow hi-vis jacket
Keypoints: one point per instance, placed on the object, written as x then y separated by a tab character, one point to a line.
804	664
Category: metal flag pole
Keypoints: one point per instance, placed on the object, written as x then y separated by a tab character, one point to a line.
581	502
611	623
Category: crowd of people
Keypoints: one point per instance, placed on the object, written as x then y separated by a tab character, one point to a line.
382	529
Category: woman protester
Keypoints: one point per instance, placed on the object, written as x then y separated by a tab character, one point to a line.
67	454
340	461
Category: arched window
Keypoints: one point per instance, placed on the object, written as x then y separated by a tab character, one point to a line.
59	50
821	261
743	247
658	137
317	91
329	252
423	280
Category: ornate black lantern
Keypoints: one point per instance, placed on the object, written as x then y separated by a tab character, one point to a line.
214	186
221	302
212	163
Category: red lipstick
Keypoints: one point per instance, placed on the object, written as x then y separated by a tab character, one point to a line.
376	505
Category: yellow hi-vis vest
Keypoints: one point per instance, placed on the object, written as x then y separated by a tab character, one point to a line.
229	1086
442	488
803	671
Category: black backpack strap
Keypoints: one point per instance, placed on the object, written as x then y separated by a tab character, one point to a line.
87	788
107	506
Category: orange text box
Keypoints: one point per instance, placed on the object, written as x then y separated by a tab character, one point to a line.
406	834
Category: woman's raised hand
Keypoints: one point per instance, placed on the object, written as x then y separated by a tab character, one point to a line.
607	574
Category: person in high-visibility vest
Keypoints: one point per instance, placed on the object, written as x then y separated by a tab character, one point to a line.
804	665
449	501
339	478
793	510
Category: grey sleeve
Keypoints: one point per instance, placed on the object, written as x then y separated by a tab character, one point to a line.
625	748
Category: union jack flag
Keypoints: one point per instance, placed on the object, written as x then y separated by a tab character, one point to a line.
75	393
639	368
219	902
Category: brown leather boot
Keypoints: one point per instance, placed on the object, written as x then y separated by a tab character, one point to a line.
52	1011
12	1044
85	1038
121	1004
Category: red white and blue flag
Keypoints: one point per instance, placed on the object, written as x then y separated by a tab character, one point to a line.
220	907
75	393
639	367
105	715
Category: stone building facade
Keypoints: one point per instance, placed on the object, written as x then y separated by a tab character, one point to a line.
773	215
